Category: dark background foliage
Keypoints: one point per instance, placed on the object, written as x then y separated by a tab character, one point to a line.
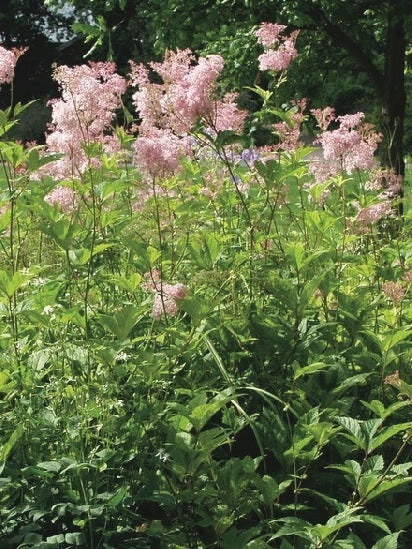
353	55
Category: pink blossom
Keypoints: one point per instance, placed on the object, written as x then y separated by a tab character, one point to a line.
289	132
63	197
8	60
395	291
185	95
167	296
268	34
159	152
349	147
350	121
324	117
164	305
279	50
407	277
227	115
374	212
176	291
90	96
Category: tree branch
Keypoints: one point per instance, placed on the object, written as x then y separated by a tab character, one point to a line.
340	37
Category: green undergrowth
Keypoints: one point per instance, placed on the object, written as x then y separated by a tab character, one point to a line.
271	410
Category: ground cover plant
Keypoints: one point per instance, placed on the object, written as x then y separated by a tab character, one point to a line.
204	343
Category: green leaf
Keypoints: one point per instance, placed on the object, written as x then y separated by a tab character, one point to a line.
337	522
79	257
293	527
353	426
270	489
388	433
10	284
393	339
376	521
402	517
58	538
349	382
118	497
201	414
122	322
129	283
9	445
310	369
373	485
387	542
52	466
75	539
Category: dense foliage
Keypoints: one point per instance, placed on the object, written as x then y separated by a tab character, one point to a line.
204	343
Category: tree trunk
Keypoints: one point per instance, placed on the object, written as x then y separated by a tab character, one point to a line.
394	95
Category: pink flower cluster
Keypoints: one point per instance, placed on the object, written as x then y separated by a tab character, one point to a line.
90	96
374	212
348	148
279	50
8	60
169	109
167	296
289	132
395	291
159	151
63	197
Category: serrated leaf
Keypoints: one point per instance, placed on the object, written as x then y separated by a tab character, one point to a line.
348	383
310	369
374	463
387	542
377	487
52	466
353	426
293	527
402	517
388	433
376	521
351	467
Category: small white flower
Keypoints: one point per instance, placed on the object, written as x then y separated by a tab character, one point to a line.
121	356
162	455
